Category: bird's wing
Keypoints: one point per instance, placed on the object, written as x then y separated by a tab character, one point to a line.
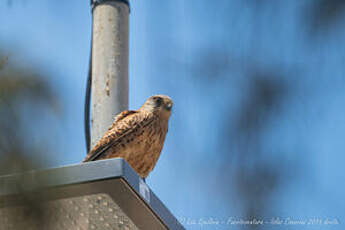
120	116
129	122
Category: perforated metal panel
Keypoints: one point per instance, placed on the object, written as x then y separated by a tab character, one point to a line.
98	195
98	211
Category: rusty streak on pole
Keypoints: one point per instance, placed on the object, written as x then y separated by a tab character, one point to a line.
109	65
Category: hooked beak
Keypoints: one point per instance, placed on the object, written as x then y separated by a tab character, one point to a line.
168	107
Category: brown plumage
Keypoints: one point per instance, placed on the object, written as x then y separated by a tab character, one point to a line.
137	136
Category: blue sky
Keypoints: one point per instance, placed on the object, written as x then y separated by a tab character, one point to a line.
167	44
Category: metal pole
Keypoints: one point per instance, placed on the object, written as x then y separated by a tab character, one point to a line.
109	65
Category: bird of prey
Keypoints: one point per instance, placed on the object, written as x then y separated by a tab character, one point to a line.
137	136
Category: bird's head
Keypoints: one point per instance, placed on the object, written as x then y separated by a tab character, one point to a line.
159	104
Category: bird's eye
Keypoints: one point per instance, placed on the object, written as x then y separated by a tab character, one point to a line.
158	101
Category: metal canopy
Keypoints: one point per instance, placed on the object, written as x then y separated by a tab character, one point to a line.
105	194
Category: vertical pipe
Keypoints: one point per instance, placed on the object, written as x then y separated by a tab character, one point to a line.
109	65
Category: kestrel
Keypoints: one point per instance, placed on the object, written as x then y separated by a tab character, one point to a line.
137	136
